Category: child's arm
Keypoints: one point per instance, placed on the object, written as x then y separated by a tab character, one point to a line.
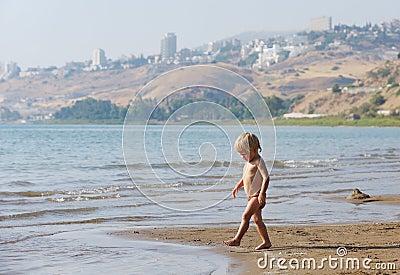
237	187
265	183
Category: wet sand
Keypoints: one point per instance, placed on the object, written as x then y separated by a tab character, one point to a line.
383	199
371	248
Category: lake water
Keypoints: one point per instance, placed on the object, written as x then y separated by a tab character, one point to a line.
64	187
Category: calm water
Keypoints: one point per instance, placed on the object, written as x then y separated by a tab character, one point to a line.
63	188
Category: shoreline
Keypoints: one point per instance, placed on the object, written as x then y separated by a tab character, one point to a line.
327	121
378	243
337	121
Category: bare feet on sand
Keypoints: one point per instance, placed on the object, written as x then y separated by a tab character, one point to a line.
232	242
263	246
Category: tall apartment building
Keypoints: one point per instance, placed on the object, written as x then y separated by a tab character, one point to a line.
168	46
321	24
99	58
9	70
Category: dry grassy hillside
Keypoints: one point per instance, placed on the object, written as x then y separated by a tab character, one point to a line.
386	74
310	74
340	103
41	94
315	71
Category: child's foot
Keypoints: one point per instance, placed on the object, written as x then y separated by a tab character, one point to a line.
263	246
232	242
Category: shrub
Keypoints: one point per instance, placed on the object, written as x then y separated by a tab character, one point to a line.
390	80
377	99
384	72
336	88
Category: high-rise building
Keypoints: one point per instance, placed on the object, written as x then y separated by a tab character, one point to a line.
99	58
321	24
9	70
168	46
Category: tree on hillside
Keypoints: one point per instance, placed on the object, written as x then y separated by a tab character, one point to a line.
278	106
91	109
377	99
336	88
8	115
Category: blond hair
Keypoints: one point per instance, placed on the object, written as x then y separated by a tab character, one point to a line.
247	142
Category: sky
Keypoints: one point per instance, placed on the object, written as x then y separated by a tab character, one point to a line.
52	32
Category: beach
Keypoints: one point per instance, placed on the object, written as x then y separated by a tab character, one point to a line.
370	248
65	188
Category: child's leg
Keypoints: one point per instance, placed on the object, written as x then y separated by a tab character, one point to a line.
251	208
262	230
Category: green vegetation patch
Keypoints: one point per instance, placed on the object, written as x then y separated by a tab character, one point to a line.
339	121
90	110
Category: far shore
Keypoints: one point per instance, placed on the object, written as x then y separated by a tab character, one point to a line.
359	248
339	121
321	121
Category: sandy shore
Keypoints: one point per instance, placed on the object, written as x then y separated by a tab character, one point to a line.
371	248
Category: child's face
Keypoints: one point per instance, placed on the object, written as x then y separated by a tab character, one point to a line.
247	156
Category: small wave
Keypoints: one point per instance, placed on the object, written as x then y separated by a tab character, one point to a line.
181	184
48	211
220	177
373	156
290	196
307	193
179	201
114	166
389	155
304	163
83	198
136	205
94	220
30	237
100	190
178	164
29	194
160	185
336	191
204	183
123	180
20	183
365	162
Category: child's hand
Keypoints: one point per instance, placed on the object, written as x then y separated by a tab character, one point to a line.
261	199
234	192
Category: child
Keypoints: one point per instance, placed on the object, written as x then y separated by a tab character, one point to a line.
255	181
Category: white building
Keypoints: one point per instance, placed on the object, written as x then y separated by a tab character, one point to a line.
10	70
168	46
268	56
321	24
213	47
384	112
99	58
301	115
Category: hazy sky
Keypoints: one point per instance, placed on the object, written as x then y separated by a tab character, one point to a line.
53	32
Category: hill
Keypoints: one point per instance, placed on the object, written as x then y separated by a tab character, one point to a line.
310	74
47	94
383	80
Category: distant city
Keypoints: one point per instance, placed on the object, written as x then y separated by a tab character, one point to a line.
257	54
